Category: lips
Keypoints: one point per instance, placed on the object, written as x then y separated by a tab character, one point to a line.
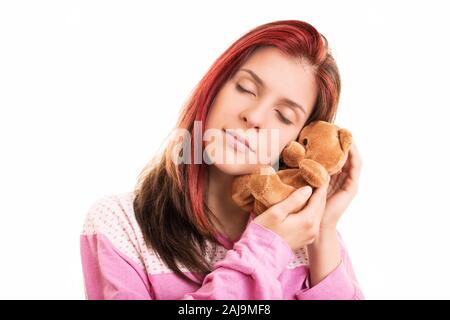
240	138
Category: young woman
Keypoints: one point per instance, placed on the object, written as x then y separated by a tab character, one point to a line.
179	235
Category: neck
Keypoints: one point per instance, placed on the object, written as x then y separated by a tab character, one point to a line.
232	219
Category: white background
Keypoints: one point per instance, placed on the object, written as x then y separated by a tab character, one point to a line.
90	89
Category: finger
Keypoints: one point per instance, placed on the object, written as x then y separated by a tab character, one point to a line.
335	184
350	184
293	203
313	211
318	198
355	163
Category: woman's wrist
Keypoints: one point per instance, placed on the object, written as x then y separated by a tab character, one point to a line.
324	236
324	254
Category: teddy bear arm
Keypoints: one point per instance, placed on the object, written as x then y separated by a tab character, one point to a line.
241	194
313	172
268	188
292	177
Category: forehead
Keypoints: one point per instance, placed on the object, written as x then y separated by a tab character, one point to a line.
283	75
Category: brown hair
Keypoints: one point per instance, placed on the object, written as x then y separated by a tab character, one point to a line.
169	204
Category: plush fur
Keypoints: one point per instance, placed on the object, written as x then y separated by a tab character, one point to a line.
321	150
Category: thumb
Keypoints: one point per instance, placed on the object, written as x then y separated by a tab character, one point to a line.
294	202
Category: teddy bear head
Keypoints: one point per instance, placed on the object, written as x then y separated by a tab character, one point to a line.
321	141
320	151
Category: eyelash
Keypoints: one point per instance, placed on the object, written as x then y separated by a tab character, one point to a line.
243	90
282	118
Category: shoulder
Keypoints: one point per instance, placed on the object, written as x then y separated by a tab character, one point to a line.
109	214
111	218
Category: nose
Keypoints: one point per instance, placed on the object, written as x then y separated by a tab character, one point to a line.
253	117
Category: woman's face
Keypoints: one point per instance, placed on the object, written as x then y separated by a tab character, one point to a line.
267	103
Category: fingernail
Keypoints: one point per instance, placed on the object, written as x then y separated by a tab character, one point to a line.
307	190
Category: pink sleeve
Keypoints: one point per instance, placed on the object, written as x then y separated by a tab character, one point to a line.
340	284
250	270
110	275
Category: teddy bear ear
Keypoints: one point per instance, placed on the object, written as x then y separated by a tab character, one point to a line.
345	138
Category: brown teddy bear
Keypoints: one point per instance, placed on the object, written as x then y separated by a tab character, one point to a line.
321	150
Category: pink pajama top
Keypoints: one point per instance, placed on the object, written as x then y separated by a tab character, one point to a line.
117	264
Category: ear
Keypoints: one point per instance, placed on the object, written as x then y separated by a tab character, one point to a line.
345	138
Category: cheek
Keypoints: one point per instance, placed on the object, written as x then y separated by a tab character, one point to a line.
215	115
286	137
218	111
229	102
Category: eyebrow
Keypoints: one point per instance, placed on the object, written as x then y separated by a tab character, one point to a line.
283	100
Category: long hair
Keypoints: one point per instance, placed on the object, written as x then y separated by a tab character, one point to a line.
169	201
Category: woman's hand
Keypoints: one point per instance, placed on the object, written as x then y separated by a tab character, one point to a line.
299	221
342	189
296	219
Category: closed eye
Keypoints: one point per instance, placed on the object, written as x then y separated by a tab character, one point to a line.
280	115
283	118
239	88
